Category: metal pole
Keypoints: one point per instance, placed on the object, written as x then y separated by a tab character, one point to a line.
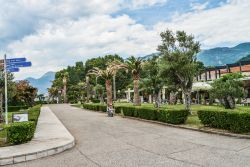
6	95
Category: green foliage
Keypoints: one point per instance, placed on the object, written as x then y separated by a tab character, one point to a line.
163	115
234	121
95	107
176	116
152	82
20	132
34	113
118	109
101	107
74	76
134	65
129	111
227	88
178	63
16	108
147	113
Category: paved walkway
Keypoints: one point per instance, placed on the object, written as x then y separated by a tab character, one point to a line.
104	141
51	137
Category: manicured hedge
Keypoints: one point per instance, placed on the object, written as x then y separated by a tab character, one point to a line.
95	107
234	121
172	116
163	115
20	132
34	113
100	107
168	116
146	113
129	111
16	108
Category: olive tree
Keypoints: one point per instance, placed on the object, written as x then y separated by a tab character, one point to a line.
227	88
178	51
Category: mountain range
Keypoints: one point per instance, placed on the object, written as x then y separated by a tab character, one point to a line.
43	82
224	55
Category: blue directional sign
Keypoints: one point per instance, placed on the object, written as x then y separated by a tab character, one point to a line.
12	69
15	60
18	64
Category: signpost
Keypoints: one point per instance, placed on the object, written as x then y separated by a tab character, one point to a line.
11	65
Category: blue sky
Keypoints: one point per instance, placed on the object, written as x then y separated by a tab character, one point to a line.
54	34
149	16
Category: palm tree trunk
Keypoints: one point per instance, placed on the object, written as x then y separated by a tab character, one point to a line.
88	88
108	84
65	93
137	100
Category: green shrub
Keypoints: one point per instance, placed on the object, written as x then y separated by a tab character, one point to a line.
34	113
16	108
20	132
95	107
147	113
118	109
95	100
172	116
234	121
128	111
168	116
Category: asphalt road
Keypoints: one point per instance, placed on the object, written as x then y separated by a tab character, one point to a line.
105	141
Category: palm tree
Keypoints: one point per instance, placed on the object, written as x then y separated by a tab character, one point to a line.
134	65
82	86
65	80
107	74
53	91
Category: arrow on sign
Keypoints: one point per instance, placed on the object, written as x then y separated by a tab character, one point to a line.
12	69
19	64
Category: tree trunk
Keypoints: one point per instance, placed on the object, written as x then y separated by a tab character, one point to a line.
88	88
101	98
137	100
157	97
229	102
187	95
109	92
173	98
64	93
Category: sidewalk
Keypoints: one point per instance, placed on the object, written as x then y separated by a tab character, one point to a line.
51	137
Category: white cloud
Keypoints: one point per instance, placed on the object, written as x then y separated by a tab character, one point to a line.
225	24
56	46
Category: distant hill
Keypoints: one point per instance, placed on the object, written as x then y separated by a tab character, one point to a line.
149	56
224	55
246	58
43	82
